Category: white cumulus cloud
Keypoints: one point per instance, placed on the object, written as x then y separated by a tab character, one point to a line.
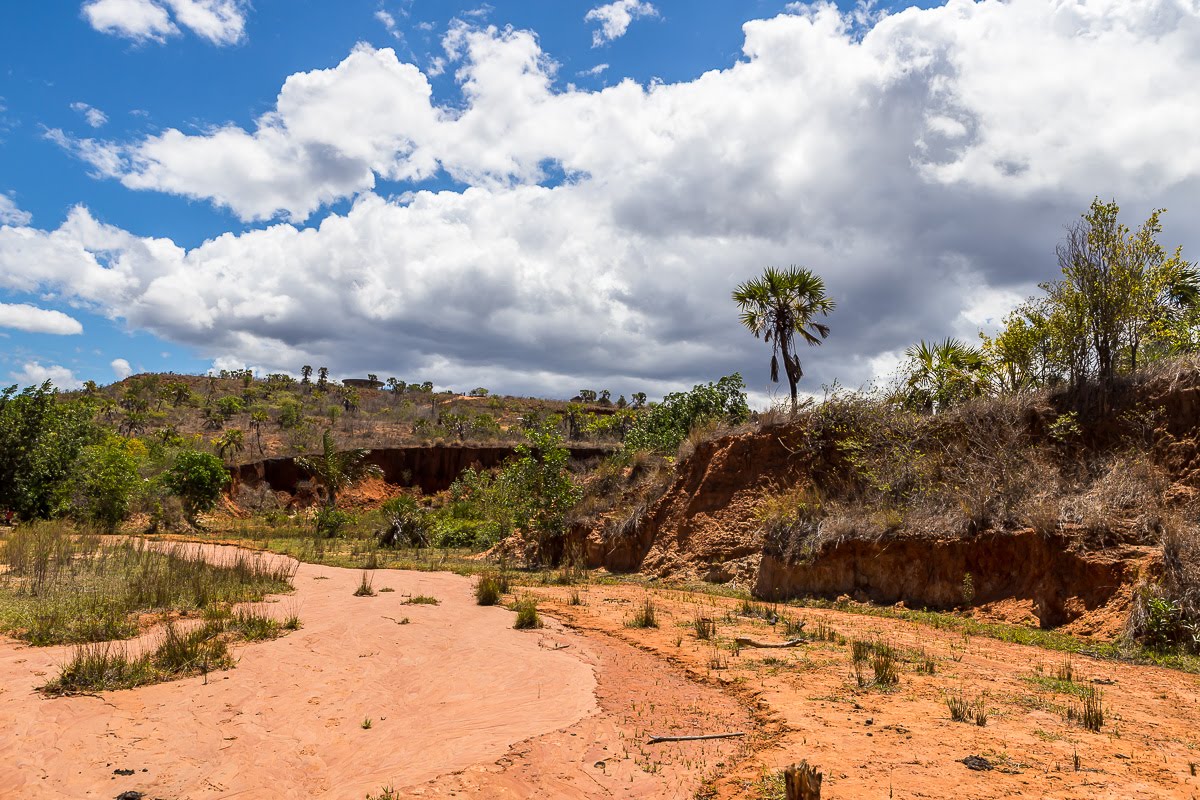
121	368
221	22
615	18
34	373
141	20
31	319
924	165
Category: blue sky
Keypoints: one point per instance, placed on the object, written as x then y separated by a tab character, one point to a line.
90	100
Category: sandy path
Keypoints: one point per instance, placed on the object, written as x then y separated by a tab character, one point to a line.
454	688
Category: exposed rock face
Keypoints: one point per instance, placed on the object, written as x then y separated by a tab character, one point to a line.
1061	584
705	528
432	469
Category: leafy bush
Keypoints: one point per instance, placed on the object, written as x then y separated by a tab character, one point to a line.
527	614
291	414
406	523
331	522
197	479
41	437
542	492
106	483
666	425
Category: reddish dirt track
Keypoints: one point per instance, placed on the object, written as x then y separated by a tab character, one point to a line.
457	698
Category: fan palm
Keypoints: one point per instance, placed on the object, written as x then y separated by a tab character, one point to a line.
336	470
779	305
944	373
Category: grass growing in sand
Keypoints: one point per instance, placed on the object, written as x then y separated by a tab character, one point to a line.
490	587
63	588
645	617
527	614
107	666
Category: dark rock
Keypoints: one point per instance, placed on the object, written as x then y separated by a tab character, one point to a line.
978	763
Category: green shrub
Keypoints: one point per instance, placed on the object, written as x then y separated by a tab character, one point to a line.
332	522
107	482
488	589
527	614
197	479
666	425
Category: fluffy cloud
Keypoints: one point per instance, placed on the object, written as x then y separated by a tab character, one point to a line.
924	165
94	116
10	214
35	374
141	20
221	22
31	319
121	368
615	19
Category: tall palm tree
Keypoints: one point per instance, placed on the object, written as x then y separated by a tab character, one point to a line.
335	471
778	306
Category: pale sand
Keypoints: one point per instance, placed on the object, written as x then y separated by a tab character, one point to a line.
456	687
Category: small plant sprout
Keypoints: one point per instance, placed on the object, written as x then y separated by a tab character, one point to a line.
644	617
366	723
964	710
364	586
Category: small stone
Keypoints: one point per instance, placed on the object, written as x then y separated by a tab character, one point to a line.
977	763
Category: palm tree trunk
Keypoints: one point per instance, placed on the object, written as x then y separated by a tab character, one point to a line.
789	366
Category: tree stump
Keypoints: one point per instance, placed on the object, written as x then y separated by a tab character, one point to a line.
802	782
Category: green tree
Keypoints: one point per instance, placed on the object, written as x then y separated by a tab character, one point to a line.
336	470
258	417
305	375
107	481
197	480
542	492
779	305
1123	284
230	443
41	436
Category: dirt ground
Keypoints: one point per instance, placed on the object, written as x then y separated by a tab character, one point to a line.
901	742
456	698
463	705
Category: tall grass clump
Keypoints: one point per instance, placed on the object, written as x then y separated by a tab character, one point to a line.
107	666
489	588
645	617
63	588
1090	711
527	614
